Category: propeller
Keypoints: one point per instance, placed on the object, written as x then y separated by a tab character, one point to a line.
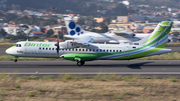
57	44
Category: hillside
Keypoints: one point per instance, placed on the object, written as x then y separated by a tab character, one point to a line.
168	3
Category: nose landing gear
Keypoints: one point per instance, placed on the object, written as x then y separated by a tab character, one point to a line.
15	60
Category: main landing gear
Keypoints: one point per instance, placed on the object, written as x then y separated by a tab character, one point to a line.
80	63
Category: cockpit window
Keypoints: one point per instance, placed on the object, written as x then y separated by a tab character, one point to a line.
17	45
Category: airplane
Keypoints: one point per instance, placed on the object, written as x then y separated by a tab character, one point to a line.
83	49
76	32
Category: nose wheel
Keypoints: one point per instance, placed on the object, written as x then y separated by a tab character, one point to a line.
15	60
80	63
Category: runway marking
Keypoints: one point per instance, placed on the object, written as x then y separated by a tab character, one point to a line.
46	73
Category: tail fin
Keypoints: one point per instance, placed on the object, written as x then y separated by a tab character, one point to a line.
72	27
159	36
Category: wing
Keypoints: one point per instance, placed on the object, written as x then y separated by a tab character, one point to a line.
125	34
84	41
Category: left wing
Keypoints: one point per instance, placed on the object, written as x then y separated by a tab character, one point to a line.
82	42
125	34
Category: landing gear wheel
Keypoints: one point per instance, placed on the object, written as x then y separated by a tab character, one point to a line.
15	60
80	63
83	62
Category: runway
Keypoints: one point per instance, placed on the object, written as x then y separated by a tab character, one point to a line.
149	67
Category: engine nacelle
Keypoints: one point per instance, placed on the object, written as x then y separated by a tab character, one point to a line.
66	45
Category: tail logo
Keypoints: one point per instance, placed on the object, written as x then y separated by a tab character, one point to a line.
74	29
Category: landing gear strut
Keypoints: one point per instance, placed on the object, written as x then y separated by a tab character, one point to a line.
15	60
80	63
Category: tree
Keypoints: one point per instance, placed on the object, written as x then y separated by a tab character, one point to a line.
3	32
121	10
50	33
104	29
81	21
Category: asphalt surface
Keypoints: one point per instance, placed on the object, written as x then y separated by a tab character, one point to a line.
93	67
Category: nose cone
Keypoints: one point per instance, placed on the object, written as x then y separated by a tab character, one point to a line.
8	51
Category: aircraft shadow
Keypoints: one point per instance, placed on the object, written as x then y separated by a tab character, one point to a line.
132	66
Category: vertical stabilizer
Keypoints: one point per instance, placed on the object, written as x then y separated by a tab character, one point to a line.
72	27
159	36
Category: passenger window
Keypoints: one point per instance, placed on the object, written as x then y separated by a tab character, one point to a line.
103	50
82	49
110	50
107	50
19	45
16	45
116	50
49	48
100	50
120	51
97	50
46	48
43	48
52	48
93	49
113	50
39	48
79	49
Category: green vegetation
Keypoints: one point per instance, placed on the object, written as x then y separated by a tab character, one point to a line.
173	43
18	86
7	44
173	80
117	97
79	87
31	95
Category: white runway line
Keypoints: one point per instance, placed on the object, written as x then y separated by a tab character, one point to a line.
98	73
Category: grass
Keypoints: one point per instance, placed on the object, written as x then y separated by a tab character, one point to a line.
117	97
11	58
18	86
173	80
99	87
31	95
173	43
6	44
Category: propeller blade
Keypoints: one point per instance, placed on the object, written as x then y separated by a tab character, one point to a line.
57	44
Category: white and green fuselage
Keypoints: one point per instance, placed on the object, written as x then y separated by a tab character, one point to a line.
151	45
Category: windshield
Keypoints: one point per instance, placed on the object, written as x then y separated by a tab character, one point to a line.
17	45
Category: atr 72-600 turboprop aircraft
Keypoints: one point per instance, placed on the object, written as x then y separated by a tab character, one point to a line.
76	32
84	50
